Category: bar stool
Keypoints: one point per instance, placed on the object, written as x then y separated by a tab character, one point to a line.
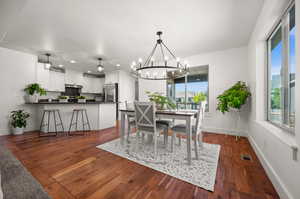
81	112
56	123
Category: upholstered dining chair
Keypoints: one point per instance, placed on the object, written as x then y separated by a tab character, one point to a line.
180	129
146	122
130	119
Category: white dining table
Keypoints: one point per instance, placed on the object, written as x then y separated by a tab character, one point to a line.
186	115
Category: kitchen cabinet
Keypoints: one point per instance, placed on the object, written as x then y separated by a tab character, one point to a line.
74	77
50	80
112	77
56	81
43	76
92	85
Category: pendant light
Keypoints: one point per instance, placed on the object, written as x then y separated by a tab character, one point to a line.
159	67
100	67
48	63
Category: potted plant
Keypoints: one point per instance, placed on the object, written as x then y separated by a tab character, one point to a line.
161	101
33	91
199	97
81	99
18	121
233	98
63	99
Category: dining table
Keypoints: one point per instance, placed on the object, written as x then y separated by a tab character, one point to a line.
184	115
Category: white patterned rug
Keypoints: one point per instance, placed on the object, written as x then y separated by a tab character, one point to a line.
201	173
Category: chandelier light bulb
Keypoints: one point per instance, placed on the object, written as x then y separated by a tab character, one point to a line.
178	59
140	60
100	68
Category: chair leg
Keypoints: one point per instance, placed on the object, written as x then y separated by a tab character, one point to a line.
196	148
62	125
55	127
48	128
71	123
179	140
200	142
76	121
172	142
87	119
42	122
155	145
128	131
82	119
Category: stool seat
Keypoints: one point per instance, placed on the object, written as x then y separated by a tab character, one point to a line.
84	119
50	112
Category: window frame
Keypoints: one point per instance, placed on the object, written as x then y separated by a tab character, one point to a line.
185	85
285	74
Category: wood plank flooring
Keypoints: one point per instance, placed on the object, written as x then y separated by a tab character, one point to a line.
72	167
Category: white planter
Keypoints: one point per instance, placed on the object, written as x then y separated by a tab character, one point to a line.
81	100
18	131
63	100
33	98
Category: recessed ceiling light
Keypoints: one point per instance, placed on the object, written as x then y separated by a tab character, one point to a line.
89	71
72	61
118	65
60	65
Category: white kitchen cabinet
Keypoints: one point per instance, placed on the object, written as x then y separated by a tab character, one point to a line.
43	76
112	77
56	81
92	85
74	77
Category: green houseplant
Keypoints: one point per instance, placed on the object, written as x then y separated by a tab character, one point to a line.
199	97
233	98
63	98
160	100
81	99
33	91
18	121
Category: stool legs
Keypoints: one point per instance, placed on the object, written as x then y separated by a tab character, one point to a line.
83	114
56	124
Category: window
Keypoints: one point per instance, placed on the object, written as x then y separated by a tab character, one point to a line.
182	90
281	72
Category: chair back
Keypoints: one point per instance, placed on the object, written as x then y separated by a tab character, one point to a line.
145	115
129	105
200	115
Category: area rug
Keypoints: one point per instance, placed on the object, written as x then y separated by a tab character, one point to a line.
201	173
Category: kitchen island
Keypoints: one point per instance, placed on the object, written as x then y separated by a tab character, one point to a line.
101	115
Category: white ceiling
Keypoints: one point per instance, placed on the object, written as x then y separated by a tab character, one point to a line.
121	31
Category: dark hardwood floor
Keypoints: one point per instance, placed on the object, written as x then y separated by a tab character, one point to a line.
72	167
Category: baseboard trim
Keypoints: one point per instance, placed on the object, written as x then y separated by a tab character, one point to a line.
275	179
224	131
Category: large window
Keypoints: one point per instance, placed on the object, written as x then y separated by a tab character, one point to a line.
281	72
182	90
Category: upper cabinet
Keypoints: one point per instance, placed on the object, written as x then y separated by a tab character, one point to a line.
74	77
56	81
50	80
92	85
42	76
112	77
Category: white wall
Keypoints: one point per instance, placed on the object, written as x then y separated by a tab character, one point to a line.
271	143
225	68
17	70
145	85
126	88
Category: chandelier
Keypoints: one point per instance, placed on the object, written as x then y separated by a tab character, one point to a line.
162	68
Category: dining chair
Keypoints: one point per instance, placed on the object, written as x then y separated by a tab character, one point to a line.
180	129
146	122
130	119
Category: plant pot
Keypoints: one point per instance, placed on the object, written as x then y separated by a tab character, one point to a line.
63	100
81	100
18	131
33	98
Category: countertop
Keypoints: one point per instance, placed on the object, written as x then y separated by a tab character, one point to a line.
65	103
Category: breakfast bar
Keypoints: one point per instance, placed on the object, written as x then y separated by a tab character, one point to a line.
101	115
